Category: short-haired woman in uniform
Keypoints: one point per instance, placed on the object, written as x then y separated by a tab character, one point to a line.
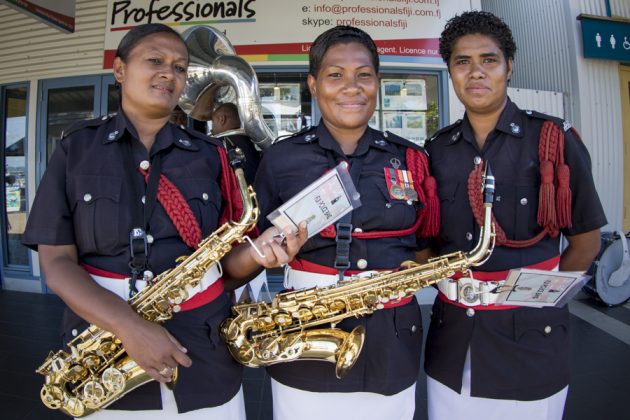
93	194
343	78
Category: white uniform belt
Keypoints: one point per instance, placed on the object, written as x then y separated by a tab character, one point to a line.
120	287
298	279
470	292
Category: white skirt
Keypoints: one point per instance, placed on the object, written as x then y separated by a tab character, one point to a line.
291	404
231	410
446	404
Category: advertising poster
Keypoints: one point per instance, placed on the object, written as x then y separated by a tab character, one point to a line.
404	31
404	94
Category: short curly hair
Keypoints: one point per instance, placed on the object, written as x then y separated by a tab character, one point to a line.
476	22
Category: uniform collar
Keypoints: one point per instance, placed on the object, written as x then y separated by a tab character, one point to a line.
233	132
169	134
510	122
370	138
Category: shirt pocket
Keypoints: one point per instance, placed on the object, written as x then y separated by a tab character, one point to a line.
95	201
204	198
379	211
535	327
449	212
516	207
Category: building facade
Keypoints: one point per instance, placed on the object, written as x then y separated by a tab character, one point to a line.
49	79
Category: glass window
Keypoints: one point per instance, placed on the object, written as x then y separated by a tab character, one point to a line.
407	105
15	129
286	101
65	106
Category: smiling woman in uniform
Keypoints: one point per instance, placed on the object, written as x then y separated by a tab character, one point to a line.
343	78
94	197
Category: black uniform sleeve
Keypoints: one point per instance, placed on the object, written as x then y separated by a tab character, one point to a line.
50	218
266	190
586	208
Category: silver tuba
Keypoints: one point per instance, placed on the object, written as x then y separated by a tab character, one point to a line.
217	75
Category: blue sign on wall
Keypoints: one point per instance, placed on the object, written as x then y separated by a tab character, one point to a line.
605	38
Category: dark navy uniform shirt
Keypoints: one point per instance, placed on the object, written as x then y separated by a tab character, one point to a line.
513	354
85	198
389	361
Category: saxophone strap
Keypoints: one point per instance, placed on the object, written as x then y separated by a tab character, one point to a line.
343	236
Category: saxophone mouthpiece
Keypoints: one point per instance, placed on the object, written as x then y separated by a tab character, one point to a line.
488	185
236	157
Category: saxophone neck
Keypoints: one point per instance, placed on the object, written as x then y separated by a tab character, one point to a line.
248	196
484	247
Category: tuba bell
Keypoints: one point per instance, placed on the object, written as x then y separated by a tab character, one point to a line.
217	75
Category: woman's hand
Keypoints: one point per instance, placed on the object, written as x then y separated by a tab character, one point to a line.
153	348
278	247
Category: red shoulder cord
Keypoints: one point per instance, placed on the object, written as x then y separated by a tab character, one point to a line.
233	207
428	217
554	207
178	210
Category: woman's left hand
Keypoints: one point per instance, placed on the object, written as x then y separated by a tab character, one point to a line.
277	249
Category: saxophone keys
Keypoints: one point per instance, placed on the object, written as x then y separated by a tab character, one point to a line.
93	394
303	314
283	319
113	380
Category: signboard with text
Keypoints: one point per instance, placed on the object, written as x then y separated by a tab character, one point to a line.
279	30
605	38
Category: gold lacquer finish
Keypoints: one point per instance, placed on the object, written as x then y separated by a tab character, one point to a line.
264	333
97	371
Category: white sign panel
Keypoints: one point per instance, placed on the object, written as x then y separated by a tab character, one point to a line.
280	30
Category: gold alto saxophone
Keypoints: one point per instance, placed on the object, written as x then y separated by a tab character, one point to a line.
264	333
97	371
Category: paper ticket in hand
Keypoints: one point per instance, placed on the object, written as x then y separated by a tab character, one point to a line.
320	204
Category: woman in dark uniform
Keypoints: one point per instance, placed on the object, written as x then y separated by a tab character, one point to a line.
91	201
483	360
389	173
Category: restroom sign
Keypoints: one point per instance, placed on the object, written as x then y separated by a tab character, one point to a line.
605	38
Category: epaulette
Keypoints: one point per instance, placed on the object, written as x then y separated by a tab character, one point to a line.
393	138
566	126
443	130
79	125
304	132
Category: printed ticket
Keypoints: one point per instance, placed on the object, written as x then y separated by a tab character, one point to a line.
540	288
321	204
